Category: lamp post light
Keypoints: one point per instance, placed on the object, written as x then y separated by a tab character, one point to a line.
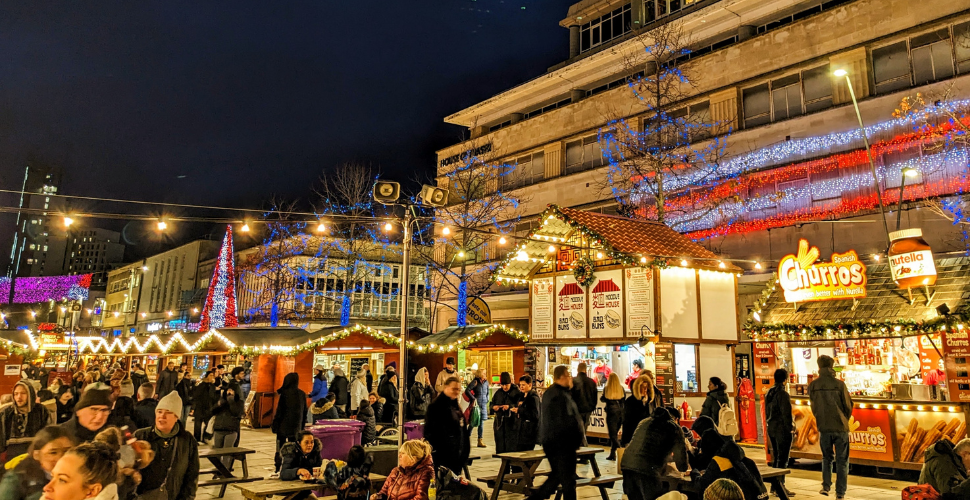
865	140
906	172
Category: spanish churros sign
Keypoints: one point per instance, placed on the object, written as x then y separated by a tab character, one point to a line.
805	280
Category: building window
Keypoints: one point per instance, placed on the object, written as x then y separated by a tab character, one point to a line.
786	97
961	47
890	67
530	169
757	105
583	154
932	59
817	83
685	367
605	28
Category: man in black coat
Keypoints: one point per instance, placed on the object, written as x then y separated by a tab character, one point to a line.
445	428
167	379
290	416
340	387
90	413
780	422
561	434
144	414
584	395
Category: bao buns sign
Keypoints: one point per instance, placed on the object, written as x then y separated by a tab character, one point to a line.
805	280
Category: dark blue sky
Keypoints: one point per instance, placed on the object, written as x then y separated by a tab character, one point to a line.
248	99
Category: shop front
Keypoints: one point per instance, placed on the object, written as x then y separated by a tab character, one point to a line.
900	352
496	348
609	291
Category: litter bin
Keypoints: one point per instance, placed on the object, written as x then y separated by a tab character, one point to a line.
414	430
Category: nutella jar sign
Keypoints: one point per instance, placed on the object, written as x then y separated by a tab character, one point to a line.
911	259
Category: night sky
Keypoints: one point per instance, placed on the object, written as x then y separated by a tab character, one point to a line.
231	103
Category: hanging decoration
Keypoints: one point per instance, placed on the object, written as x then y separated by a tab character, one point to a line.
583	271
310	345
219	310
471	339
42	289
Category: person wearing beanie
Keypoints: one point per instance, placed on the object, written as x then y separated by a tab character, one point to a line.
445	374
723	489
340	387
25	417
503	401
730	463
174	472
832	407
91	413
645	458
358	390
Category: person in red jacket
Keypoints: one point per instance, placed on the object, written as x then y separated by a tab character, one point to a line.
411	479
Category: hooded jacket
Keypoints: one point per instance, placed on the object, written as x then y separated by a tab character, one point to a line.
419	396
14	424
778	411
652	442
730	463
831	403
409	483
943	470
365	414
324	409
340	387
176	462
228	413
290	416
446	431
294	459
635	410
319	390
138	377
358	390
388	390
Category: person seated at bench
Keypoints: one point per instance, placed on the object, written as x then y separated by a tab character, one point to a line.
730	463
645	459
945	468
723	489
299	460
411	479
325	408
366	415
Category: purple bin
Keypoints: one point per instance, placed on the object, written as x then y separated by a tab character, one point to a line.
414	430
336	439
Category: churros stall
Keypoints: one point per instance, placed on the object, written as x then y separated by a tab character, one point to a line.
607	290
902	352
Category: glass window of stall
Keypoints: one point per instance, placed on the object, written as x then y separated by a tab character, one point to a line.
685	368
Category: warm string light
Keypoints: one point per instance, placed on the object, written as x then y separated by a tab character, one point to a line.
471	339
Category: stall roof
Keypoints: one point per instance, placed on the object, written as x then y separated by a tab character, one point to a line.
884	303
458	337
414	333
628	241
284	335
20	337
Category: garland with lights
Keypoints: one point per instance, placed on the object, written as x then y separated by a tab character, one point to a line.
313	344
471	339
583	271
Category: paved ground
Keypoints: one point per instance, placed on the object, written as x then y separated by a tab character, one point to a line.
804	482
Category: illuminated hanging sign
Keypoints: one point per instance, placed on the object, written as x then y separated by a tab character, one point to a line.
805	280
154	327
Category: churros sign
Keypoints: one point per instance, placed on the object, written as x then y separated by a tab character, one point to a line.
805	280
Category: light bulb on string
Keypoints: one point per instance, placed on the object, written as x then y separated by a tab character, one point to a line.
757	265
245	227
161	225
68	221
552	248
388	227
321	227
683	262
445	231
502	240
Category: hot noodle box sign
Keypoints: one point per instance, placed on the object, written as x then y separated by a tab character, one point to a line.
804	280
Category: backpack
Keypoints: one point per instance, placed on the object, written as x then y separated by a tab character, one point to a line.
920	492
727	421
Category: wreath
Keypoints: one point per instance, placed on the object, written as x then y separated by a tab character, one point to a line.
583	272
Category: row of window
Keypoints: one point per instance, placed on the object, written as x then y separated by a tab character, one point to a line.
607	27
922	59
787	97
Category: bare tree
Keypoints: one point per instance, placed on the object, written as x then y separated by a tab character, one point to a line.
659	166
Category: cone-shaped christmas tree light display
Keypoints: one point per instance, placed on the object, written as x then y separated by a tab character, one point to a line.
219	309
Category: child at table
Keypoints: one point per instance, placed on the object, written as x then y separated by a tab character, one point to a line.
351	482
411	479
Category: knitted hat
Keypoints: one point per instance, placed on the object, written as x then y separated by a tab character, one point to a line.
172	402
320	368
505	378
96	394
723	489
236	371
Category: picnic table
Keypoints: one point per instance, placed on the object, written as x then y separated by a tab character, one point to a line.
528	461
770	475
221	475
261	490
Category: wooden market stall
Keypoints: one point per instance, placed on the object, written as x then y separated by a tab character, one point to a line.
14	347
498	348
612	290
889	345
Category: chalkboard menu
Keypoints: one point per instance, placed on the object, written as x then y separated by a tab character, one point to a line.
530	361
355	365
664	356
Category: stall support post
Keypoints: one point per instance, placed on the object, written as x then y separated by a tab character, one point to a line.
405	288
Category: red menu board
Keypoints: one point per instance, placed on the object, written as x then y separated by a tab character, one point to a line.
929	358
869	435
956	351
765	364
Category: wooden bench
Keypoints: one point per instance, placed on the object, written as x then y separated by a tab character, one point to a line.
266	488
528	461
221	475
771	476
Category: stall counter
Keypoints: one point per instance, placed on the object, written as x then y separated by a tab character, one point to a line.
882	432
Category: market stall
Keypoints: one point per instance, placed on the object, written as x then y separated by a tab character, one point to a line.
888	343
498	348
609	290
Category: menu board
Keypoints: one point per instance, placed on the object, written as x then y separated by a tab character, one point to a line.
570	309
639	284
606	305
542	309
356	364
664	357
956	353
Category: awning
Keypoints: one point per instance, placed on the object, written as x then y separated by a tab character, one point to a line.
460	337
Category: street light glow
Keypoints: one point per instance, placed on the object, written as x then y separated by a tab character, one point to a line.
445	231
840	72
68	221
388	226
502	240
321	227
910	172
162	225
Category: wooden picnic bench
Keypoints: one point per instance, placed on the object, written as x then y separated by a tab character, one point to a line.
772	477
221	475
261	490
528	461
468	463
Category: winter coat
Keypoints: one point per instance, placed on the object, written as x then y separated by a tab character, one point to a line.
326	411
439	383
614	414
446	431
138	377
409	483
294	459
730	463
350	483
778	411
389	392
365	414
228	414
204	399
176	459
340	386
709	445
831	403
584	393
186	390
319	389
504	426
528	417
144	414
636	410
25	482
943	470
290	416
378	409
14	424
477	390
712	404
653	441
419	397
167	379
358	392
64	411
80	433
121	413
561	427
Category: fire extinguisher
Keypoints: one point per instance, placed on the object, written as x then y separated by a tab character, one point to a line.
747	421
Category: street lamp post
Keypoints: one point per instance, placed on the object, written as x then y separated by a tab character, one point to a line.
865	140
907	172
